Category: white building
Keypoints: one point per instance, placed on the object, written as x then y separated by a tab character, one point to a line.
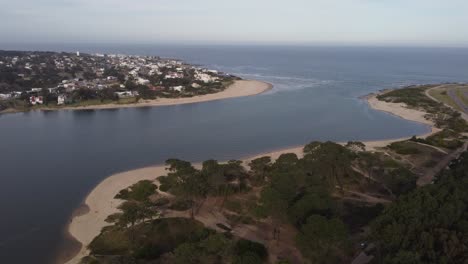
206	78
61	99
5	96
177	88
126	94
174	75
142	81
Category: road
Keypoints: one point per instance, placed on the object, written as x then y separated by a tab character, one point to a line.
453	94
463	114
429	176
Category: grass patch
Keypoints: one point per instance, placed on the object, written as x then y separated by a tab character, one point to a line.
404	148
442	96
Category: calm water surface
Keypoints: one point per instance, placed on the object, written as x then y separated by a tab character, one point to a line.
50	160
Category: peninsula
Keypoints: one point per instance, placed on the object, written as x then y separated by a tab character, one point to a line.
54	81
320	203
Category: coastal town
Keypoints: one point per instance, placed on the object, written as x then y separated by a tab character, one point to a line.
34	80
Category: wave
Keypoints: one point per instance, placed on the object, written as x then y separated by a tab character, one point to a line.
286	83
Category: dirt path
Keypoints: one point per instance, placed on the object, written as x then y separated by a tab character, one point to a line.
433	147
366	197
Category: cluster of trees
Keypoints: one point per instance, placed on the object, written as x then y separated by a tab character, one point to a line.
304	193
174	241
299	192
294	191
218	248
10	80
428	225
188	183
136	206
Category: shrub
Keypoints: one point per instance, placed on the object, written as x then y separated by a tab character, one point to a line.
181	205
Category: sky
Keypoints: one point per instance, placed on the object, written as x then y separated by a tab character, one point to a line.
303	22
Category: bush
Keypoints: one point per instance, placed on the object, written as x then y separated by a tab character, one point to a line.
181	205
246	247
161	202
404	148
140	191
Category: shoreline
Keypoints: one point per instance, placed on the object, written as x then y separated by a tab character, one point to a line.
101	203
240	88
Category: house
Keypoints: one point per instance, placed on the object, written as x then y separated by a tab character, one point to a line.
142	81
5	96
177	88
206	78
35	90
61	99
174	75
126	94
36	100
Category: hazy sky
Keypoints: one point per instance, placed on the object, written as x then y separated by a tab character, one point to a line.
348	22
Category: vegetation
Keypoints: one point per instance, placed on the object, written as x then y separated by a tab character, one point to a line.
140	191
319	205
430	224
415	97
404	148
173	240
445	139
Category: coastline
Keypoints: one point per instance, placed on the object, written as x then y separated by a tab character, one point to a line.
402	111
240	88
101	203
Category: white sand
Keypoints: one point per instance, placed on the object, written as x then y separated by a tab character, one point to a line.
400	110
101	200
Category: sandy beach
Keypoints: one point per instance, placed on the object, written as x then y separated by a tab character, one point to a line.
101	202
402	111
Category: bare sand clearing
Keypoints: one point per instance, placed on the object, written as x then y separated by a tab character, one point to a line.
239	88
101	200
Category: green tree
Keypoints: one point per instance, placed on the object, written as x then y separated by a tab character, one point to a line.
260	166
321	240
332	160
